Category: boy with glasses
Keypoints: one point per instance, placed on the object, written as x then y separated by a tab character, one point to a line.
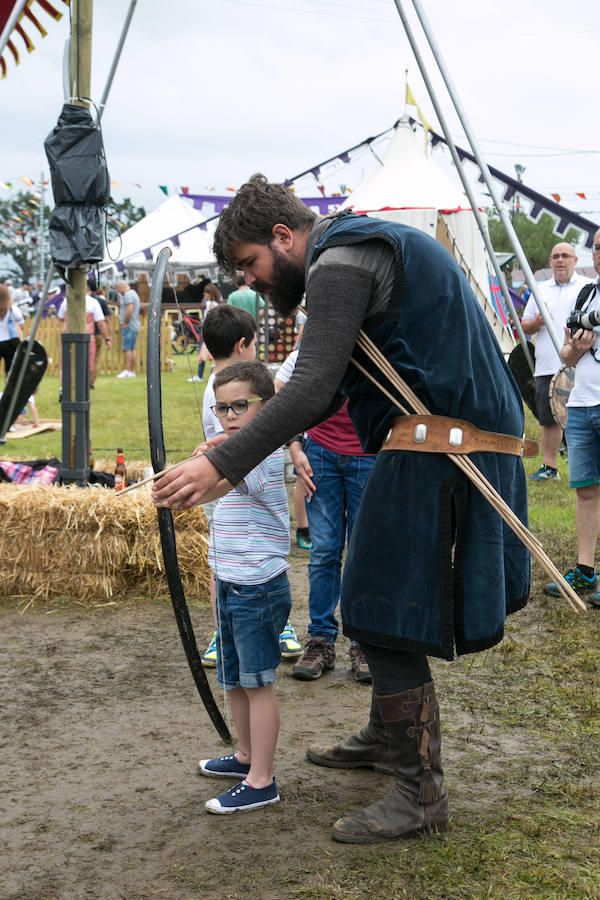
230	337
559	293
248	555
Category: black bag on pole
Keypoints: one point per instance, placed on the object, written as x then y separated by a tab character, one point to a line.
81	187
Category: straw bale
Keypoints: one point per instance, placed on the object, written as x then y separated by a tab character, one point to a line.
90	543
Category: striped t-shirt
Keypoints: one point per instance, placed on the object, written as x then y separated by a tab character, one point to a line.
250	538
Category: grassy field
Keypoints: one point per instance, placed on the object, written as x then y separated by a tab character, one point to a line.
119	417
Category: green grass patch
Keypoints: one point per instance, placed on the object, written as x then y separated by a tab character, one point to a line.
119	417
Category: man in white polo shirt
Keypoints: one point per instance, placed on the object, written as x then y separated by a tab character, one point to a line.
582	350
559	293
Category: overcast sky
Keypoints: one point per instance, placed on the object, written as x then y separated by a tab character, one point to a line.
210	91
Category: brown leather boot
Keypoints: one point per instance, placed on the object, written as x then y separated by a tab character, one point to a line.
369	748
419	800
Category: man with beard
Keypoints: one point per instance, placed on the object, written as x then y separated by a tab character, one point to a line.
430	570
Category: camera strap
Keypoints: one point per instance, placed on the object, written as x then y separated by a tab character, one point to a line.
585	296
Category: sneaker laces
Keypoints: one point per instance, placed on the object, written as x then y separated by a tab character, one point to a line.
315	648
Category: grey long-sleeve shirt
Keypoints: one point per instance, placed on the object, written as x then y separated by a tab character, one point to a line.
343	286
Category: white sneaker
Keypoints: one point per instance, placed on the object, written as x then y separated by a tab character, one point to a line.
131	375
123	374
195	379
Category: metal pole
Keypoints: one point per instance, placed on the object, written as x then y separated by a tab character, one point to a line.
116	59
42	223
38	315
465	181
10	24
485	172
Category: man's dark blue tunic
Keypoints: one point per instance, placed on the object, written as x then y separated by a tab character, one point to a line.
431	565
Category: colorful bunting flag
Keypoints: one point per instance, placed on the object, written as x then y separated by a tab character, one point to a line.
185	190
581	194
26	179
115	184
556	197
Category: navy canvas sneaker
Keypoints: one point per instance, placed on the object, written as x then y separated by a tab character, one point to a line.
227	766
580	583
242	798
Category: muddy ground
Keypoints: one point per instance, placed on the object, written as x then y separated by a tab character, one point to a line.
102	729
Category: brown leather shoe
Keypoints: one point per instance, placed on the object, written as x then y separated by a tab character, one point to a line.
318	657
359	665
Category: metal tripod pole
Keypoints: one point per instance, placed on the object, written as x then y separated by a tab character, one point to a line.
465	181
485	173
116	59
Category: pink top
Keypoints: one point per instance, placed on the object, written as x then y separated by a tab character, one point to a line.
338	435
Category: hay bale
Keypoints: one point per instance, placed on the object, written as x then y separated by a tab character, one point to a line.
89	543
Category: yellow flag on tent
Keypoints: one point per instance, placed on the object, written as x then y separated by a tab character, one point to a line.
410	100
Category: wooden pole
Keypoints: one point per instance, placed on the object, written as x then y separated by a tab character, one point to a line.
80	86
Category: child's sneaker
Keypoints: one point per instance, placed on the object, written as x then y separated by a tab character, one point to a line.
289	645
243	797
580	583
209	657
303	538
227	766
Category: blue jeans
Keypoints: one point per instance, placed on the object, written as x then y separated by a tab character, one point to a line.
339	482
583	440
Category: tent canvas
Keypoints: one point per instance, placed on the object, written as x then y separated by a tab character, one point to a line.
410	188
137	248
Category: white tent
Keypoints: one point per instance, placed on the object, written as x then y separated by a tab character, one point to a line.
138	247
410	188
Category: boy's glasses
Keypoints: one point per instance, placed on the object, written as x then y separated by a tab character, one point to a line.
238	407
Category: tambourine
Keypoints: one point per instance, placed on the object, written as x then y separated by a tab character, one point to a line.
558	393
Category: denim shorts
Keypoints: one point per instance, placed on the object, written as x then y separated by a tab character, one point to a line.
251	617
128	338
583	440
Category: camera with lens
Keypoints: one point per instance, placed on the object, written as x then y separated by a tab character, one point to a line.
586	320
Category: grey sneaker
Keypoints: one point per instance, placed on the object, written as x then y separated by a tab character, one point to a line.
360	666
318	657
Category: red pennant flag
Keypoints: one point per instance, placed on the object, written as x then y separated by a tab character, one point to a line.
230	189
185	190
581	194
556	197
322	189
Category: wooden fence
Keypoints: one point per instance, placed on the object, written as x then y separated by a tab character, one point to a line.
110	360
